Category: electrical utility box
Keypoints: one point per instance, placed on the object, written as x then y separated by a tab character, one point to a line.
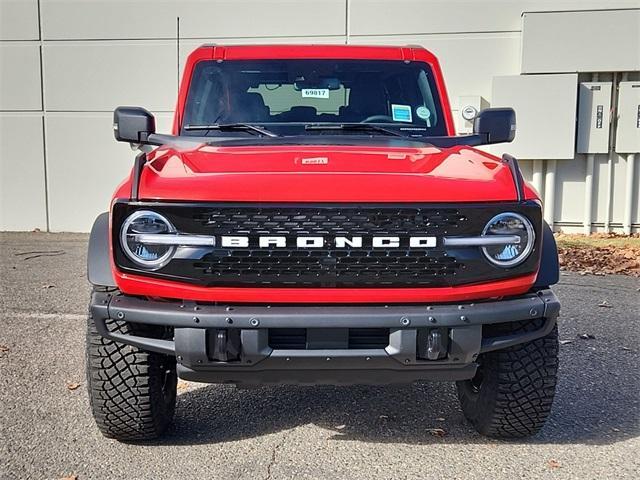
545	108
628	129
594	117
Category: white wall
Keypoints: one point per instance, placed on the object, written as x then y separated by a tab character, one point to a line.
65	64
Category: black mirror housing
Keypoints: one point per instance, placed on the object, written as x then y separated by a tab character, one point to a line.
133	124
497	125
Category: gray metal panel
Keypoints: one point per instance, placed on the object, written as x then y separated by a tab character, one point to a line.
592	41
628	130
545	108
594	117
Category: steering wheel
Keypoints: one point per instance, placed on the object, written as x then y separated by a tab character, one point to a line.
377	118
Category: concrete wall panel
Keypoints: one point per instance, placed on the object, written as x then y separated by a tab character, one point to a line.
108	19
141	19
257	18
570	189
369	17
85	164
22	185
19	20
20	83
99	76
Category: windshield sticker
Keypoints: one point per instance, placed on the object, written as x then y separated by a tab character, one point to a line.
315	93
423	112
401	113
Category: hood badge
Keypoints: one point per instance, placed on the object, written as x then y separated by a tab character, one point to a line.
315	161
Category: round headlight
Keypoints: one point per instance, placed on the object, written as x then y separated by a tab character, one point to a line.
145	254
511	253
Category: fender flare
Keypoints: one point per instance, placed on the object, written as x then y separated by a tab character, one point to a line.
549	272
98	262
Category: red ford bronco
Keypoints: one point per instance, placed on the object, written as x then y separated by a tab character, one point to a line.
313	218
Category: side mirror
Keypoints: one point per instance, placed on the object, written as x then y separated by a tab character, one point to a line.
133	124
497	125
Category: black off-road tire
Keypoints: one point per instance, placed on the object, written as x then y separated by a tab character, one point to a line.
512	392
132	392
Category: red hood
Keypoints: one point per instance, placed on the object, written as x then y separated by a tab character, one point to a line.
326	174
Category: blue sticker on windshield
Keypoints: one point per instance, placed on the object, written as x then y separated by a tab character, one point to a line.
401	113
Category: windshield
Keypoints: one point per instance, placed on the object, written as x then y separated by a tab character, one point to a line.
286	96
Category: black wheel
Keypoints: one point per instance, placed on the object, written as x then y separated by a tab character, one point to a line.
513	389
132	392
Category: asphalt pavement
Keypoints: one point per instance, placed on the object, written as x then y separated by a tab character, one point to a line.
220	432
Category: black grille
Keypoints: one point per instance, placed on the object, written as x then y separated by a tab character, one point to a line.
288	338
328	221
343	338
360	338
330	266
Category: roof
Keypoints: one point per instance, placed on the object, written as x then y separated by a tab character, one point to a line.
256	52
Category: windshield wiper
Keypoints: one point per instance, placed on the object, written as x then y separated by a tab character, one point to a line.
362	127
245	127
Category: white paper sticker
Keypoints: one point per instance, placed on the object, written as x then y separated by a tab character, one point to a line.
401	113
315	93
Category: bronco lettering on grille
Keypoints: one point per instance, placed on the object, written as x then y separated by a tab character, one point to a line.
231	241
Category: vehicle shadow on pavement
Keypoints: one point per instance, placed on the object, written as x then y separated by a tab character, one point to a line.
600	410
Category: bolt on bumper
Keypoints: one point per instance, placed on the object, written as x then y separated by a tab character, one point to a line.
259	363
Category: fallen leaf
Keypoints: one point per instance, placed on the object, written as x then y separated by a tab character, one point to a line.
605	304
565	342
70	477
554	464
340	427
587	336
4	349
182	385
73	385
437	432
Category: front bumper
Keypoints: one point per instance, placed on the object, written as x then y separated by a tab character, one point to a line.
257	362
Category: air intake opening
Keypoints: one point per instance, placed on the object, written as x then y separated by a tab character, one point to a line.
328	338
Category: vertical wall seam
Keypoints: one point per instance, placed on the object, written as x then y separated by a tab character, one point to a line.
44	122
347	19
